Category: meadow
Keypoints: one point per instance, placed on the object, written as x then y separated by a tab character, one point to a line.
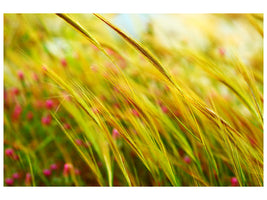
174	100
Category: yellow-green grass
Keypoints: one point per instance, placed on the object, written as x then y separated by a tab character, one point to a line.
151	93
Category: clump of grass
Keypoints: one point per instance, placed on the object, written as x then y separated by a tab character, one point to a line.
114	111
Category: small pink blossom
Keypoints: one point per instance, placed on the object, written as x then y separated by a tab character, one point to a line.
67	168
16	175
9	152
135	113
95	110
187	159
9	181
49	104
234	181
47	172
63	62
17	111
77	172
53	166
115	133
67	126
79	142
16	157
44	68
20	75
94	68
221	51
46	120
29	115
15	91
110	51
164	109
28	179
35	77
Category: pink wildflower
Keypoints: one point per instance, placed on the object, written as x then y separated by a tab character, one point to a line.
9	152
46	120
115	133
164	109
53	166
16	175
79	142
67	126
63	62
9	181
47	172
67	168
234	181
29	115
187	159
28	179
20	75
16	113
77	172
49	104
221	51
135	113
